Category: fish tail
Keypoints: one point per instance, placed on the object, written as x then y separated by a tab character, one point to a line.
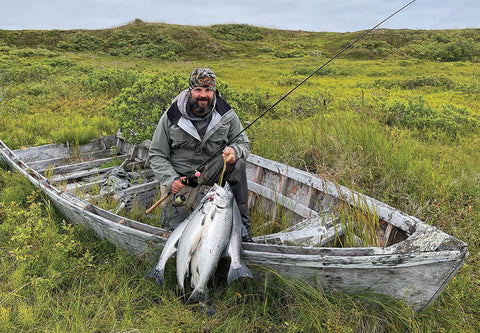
197	296
156	274
235	273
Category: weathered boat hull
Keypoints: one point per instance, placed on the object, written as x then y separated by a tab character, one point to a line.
414	268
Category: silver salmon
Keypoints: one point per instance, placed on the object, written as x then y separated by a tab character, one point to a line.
215	235
237	267
157	272
192	233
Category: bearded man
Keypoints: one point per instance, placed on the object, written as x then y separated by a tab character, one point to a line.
193	129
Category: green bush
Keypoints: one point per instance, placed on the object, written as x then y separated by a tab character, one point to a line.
369	49
60	63
243	103
460	49
123	42
29	72
304	105
82	42
109	80
142	44
139	108
417	114
167	51
438	81
237	32
290	54
33	52
37	89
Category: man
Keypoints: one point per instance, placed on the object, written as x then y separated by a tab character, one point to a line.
193	129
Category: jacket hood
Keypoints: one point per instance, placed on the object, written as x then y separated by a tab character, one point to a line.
182	103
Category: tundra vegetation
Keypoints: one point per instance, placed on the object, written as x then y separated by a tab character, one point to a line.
396	117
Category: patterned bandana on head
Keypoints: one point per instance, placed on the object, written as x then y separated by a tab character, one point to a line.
202	77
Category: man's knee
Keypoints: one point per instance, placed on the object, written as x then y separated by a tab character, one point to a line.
171	216
240	165
238	171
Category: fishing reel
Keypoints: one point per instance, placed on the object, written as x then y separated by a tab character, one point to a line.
179	199
192	181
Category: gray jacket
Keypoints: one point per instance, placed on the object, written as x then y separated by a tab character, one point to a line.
177	149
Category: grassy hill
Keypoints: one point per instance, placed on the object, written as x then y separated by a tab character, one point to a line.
162	40
396	117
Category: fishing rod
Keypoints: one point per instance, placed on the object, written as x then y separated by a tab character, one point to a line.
303	81
191	180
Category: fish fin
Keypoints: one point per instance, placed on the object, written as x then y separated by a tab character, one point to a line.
181	290
156	274
226	251
195	275
207	309
235	273
176	244
212	214
197	296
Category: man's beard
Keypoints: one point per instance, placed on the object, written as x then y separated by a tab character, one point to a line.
202	111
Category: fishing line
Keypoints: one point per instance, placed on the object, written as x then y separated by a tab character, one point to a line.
196	172
191	180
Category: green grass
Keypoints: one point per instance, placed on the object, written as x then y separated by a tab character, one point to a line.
385	124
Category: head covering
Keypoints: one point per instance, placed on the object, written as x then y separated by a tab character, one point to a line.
202	77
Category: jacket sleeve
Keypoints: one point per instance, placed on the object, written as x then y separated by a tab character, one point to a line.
159	153
240	144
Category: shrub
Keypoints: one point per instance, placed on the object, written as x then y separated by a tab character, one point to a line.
37	89
438	81
139	108
109	80
290	54
419	115
459	49
237	32
29	52
60	63
243	103
167	51
82	42
306	105
27	73
140	44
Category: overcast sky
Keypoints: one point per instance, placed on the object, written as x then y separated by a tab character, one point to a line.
309	15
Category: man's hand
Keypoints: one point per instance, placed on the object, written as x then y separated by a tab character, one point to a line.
177	185
229	155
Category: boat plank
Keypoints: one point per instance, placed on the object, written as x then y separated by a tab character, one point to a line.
255	176
282	200
52	163
69	168
312	232
52	151
59	178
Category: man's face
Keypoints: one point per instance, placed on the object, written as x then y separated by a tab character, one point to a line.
202	100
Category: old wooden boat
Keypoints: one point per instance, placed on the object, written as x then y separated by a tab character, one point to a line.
406	258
